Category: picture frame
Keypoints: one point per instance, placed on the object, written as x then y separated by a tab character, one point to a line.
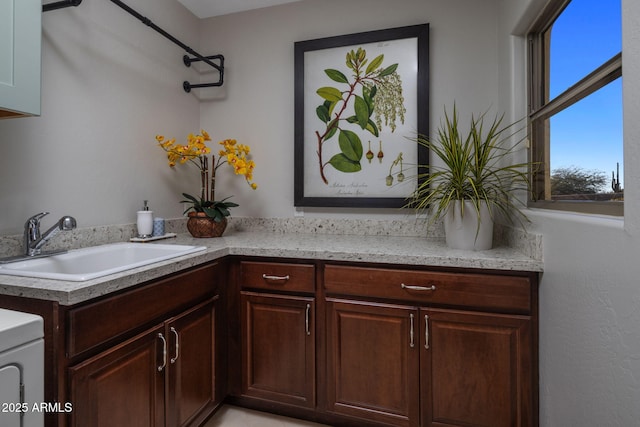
360	101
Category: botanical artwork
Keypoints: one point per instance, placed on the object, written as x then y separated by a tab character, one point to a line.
360	105
372	90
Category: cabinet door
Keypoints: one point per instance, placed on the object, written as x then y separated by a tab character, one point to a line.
278	355
123	386
191	354
20	44
475	369
373	361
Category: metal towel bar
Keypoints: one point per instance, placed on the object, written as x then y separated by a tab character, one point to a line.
60	5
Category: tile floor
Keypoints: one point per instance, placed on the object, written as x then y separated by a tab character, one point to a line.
233	416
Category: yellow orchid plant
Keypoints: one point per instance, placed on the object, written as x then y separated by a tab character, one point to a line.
197	153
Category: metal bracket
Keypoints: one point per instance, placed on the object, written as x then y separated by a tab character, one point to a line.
220	67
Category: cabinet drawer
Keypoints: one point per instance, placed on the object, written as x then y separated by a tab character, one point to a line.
468	290
277	276
92	324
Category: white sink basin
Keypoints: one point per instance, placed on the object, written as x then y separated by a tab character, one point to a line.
88	263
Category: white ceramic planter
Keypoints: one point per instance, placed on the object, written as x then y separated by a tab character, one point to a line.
461	227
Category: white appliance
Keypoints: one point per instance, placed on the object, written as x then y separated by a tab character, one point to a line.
21	369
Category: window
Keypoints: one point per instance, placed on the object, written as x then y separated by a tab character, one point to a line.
575	109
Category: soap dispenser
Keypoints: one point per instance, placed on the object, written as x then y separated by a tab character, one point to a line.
145	222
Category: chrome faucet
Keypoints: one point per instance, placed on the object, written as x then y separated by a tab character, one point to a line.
34	241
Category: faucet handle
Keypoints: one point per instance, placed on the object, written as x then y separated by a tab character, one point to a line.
36	218
32	227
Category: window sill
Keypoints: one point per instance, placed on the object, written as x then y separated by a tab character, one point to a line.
609	209
590	220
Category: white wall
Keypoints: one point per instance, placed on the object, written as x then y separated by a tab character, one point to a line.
590	291
109	85
255	104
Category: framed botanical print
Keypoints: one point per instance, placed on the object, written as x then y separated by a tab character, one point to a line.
360	101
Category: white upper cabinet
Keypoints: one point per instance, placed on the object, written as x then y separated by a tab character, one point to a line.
20	56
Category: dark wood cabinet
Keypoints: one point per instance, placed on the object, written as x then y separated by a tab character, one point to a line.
122	386
278	338
163	377
279	348
390	345
391	363
462	353
475	369
373	361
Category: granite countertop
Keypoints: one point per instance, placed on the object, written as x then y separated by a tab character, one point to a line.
357	248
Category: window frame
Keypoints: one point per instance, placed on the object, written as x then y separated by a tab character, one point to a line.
539	112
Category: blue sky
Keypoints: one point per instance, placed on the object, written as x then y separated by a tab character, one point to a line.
589	133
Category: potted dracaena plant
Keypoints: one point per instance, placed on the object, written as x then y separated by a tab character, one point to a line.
475	180
208	216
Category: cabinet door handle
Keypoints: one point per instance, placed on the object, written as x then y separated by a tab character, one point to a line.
271	278
426	332
173	359
306	324
164	353
411	343
418	288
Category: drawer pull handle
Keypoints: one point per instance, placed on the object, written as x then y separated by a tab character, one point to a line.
306	322
418	288
173	359
276	278
411	343
164	353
